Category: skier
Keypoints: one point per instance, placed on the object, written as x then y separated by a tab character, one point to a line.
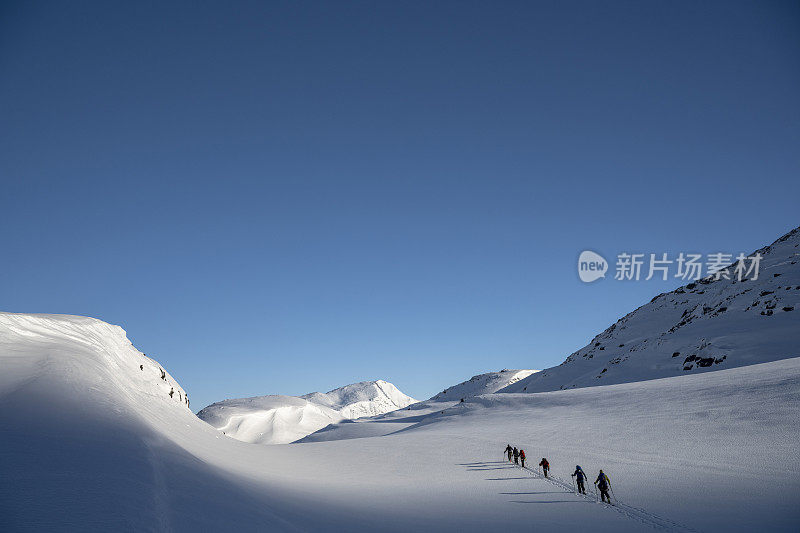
522	457
516	456
509	451
580	477
545	466
603	483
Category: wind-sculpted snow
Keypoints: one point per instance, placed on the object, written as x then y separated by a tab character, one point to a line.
93	350
700	327
285	419
89	428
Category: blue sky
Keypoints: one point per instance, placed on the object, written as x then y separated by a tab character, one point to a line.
282	197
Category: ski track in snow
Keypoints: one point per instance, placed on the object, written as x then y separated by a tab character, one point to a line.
634	513
160	489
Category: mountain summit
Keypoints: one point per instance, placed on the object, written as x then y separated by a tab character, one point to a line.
367	398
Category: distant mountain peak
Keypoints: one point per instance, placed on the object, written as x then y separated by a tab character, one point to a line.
365	398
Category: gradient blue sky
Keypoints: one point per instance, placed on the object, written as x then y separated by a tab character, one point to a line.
282	197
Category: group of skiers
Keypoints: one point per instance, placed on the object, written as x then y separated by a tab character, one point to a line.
602	482
519	455
515	455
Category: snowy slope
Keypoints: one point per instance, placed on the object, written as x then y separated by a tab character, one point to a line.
377	426
482	384
285	419
92	443
89	429
712	451
98	352
709	452
396	420
704	326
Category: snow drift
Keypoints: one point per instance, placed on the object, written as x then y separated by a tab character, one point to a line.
90	431
95	353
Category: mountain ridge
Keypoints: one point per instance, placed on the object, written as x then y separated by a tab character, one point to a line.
486	383
701	326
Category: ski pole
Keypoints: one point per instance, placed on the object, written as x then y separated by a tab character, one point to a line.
612	493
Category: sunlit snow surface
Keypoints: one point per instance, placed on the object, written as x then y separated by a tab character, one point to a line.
488	383
284	419
91	442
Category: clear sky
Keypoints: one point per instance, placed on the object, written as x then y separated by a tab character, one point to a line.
283	197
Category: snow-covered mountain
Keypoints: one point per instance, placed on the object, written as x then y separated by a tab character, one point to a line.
488	383
703	326
367	398
284	419
268	419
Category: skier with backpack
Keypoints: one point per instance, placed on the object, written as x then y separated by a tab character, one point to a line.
603	484
545	466
580	477
522	457
509	451
516	456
